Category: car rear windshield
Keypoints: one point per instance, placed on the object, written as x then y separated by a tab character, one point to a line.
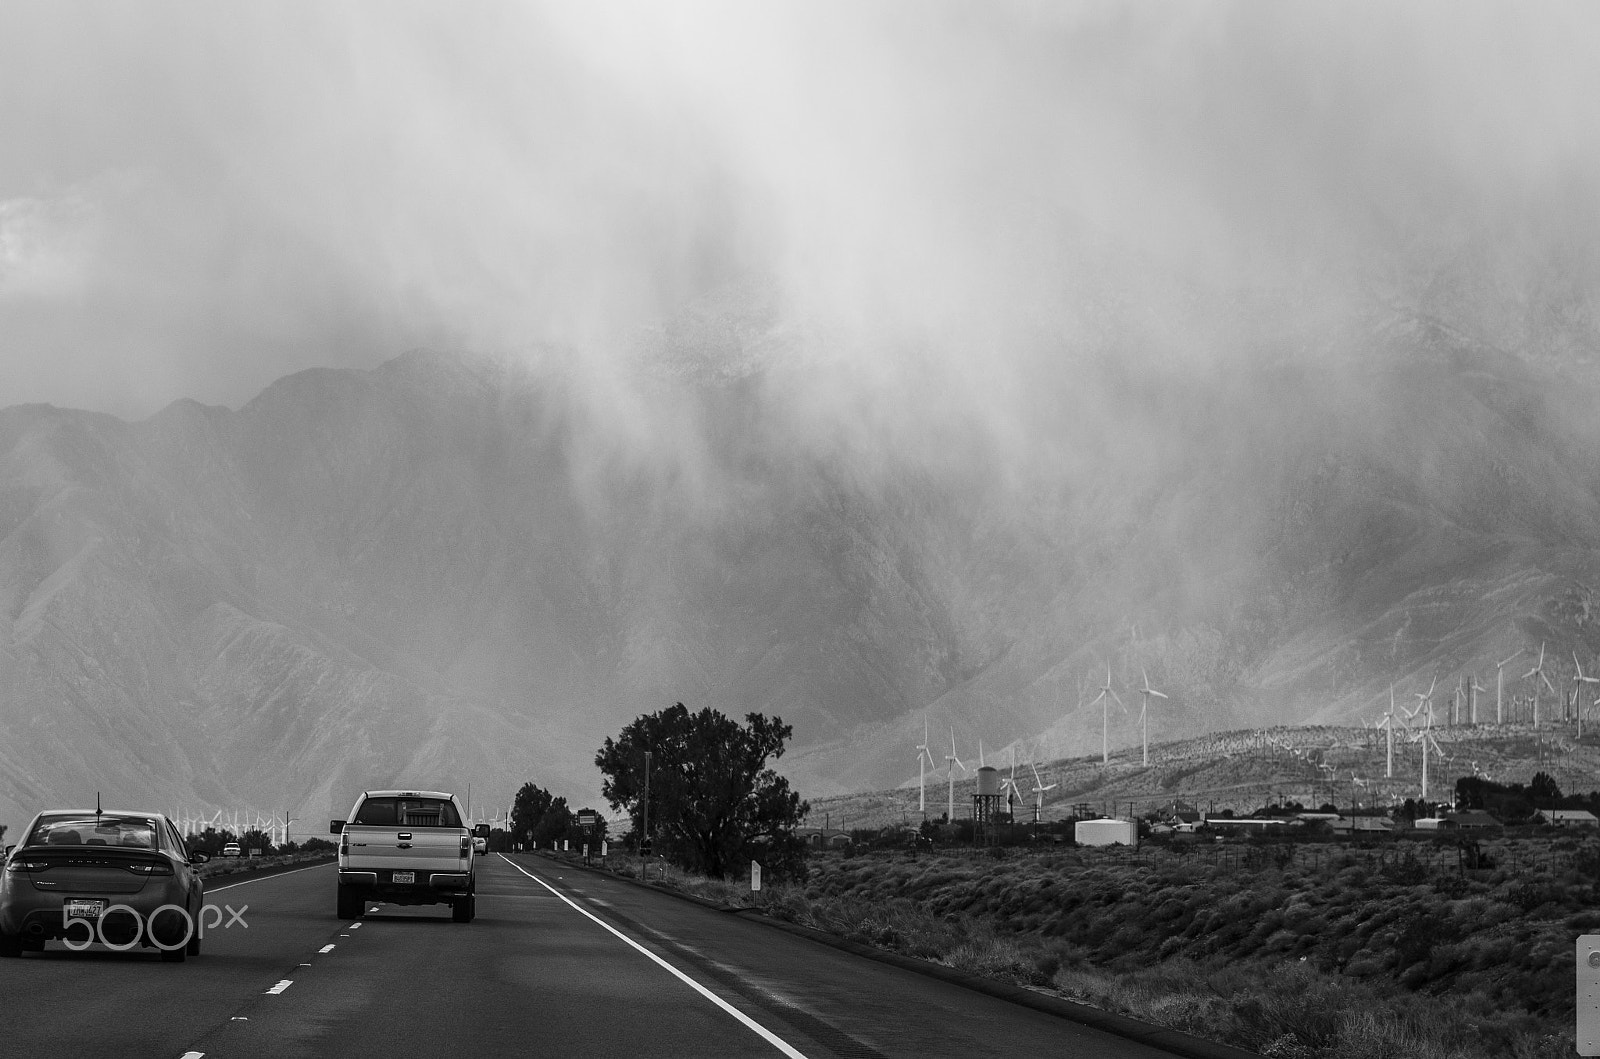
128	832
408	812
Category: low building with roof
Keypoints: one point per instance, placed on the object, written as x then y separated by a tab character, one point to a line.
1568	818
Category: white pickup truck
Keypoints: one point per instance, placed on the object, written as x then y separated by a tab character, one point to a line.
405	848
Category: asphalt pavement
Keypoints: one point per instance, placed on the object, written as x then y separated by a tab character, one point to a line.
558	962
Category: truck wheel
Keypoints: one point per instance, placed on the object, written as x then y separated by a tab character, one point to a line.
351	903
461	909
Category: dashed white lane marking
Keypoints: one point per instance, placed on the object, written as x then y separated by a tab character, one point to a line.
765	1034
280	987
326	948
355	926
193	1055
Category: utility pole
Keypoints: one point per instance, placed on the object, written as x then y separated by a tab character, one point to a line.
644	823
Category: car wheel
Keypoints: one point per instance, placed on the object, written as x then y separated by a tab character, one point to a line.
192	947
177	955
32	944
10	944
461	909
351	903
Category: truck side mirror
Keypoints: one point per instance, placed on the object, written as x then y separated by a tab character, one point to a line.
335	827
481	831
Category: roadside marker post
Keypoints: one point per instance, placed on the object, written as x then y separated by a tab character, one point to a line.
755	876
1588	1006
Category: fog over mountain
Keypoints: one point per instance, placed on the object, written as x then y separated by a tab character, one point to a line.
860	364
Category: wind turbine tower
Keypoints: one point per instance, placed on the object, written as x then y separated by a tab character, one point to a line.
1538	670
1038	792
924	762
950	762
1104	699
1144	711
1500	683
1578	695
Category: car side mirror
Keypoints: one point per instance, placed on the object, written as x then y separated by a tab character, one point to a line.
9	849
335	827
199	856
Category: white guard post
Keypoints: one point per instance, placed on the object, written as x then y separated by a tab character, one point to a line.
755	878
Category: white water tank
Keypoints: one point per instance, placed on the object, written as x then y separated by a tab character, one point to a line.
1107	832
988	780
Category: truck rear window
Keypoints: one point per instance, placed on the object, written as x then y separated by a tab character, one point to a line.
408	812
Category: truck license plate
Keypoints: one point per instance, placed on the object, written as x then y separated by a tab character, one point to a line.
82	909
405	877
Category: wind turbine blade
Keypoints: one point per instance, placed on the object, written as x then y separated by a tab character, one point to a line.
1157	694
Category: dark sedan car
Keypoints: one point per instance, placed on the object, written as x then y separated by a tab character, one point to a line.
120	879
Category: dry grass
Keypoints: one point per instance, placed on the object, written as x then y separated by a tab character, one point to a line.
1353	964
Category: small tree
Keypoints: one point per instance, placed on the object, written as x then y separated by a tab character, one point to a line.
711	793
528	812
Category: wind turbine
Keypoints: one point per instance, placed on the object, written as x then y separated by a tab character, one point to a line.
1144	709
1426	739
1539	671
1038	791
950	761
1582	680
1387	724
1472	700
924	762
1008	785
1425	700
1104	698
1499	685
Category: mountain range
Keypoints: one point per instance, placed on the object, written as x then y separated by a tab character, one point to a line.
456	569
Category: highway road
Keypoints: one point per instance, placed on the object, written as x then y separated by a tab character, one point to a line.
558	962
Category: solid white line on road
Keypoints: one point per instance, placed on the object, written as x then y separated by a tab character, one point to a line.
280	987
326	948
756	1027
261	878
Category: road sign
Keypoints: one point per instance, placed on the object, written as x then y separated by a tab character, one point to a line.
755	876
588	818
1588	1034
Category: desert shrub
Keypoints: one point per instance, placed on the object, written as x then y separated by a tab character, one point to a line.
1528	895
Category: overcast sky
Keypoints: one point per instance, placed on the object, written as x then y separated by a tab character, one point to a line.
198	198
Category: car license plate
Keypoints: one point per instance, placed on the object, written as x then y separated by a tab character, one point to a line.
405	877
82	909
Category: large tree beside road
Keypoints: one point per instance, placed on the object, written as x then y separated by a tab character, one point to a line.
714	801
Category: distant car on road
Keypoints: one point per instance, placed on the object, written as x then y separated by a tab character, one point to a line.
232	849
120	878
480	846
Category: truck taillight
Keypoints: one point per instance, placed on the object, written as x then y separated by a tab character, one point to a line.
344	844
466	846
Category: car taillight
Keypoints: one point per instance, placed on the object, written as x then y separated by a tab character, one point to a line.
27	865
150	869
